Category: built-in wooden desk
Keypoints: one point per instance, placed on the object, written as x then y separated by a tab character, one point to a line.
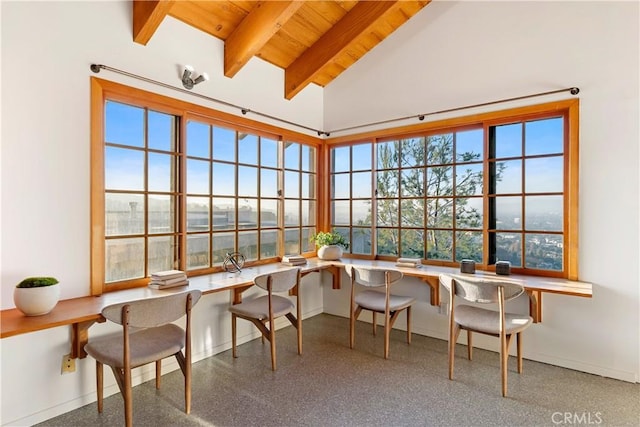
83	312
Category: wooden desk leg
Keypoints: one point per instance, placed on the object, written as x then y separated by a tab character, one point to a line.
434	284
336	276
237	294
80	337
535	305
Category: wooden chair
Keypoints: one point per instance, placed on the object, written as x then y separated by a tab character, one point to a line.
266	308
386	303
134	347
490	322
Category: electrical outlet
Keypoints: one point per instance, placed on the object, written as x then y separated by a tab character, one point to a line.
68	364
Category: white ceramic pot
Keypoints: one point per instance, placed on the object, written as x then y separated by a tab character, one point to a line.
36	301
330	252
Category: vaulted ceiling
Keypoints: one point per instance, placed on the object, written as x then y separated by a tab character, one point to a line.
313	41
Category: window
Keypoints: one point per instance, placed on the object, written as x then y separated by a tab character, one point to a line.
176	185
498	186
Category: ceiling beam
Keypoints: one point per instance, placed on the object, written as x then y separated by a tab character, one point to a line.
360	19
264	20
147	17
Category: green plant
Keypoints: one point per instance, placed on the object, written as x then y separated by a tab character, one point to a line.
325	238
37	282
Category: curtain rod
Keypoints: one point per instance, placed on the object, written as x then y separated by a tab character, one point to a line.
97	67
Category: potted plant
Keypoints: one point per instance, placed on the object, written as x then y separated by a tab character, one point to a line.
330	245
35	296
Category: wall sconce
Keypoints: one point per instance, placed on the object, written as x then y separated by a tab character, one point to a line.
188	81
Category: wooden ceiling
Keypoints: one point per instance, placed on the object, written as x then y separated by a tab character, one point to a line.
313	41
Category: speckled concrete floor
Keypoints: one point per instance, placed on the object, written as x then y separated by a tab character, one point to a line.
331	385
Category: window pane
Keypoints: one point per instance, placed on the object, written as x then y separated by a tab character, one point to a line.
412	243
124	124
291	184
308	158
440	181
124	214
248	213
308	190
469	213
361	157
224	144
361	212
307	244
124	259
161	131
340	212
292	212
247	148
387	183
308	212
360	241
124	169
340	159
544	175
469	180
412	182
248	244
197	251
268	152
161	253
198	140
387	241
292	241
361	182
224	179
388	212
412	214
544	136
224	213
508	141
440	149
469	246
197	177
544	213
292	155
509	177
268	244
223	244
197	214
160	214
412	152
268	213
440	245
160	174
268	183
469	145
248	181
340	186
509	248
439	213
508	213
543	251
388	154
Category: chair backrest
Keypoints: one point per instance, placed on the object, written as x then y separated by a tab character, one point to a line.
372	277
281	280
482	290
152	312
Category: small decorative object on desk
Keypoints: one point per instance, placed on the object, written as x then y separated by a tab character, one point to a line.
467	266
234	262
168	279
289	259
35	296
409	262
503	268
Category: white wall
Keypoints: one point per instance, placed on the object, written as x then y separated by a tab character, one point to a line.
454	54
47	48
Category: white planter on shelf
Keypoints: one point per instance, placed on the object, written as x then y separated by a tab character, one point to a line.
330	252
36	301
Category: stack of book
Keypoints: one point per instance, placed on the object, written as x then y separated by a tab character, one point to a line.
409	262
294	260
168	279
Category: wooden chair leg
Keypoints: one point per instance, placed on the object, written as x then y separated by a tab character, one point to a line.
158	373
233	335
128	398
453	337
469	345
99	381
272	339
519	347
187	386
409	325
374	322
504	357
387	330
352	327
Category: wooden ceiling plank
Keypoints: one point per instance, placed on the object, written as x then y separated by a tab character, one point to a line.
264	20
359	20
147	17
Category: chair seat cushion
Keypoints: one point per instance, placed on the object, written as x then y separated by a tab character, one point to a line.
488	321
146	346
259	308
375	301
